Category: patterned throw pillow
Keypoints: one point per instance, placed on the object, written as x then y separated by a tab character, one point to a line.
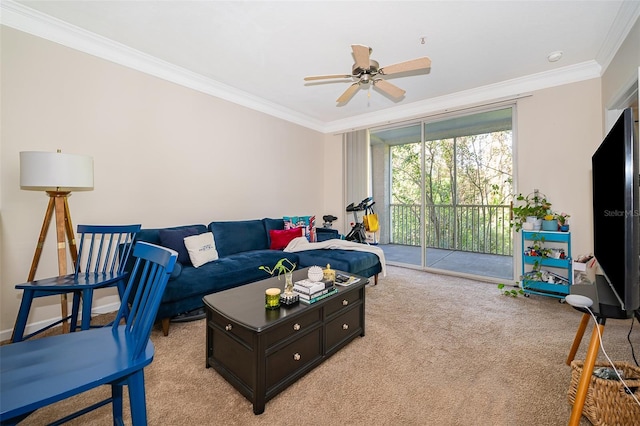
306	222
201	248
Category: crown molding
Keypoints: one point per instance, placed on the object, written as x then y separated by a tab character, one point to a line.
498	92
622	25
20	17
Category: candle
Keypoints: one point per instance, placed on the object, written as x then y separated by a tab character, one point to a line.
272	298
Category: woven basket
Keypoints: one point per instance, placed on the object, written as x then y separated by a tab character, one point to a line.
607	403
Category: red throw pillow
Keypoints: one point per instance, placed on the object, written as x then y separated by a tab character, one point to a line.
280	239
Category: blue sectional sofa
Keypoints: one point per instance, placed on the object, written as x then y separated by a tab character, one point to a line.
242	246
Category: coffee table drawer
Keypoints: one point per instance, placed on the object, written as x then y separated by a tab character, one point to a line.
285	362
232	356
342	300
232	328
297	325
343	327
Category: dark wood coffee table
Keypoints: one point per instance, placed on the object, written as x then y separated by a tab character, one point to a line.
261	352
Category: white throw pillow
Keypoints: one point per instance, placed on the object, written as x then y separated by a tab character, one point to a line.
201	248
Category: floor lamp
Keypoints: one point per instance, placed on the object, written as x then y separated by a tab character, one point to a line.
57	174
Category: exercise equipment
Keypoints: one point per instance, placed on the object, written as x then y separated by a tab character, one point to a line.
357	232
328	220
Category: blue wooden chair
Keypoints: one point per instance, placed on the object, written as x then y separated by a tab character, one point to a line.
102	256
40	372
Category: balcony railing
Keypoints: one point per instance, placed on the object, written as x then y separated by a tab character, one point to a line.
473	228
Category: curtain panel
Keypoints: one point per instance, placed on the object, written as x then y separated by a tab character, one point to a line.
356	166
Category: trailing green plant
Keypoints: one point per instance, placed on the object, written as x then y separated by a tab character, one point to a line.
532	205
279	267
513	292
538	249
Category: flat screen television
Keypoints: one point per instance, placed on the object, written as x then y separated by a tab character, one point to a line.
616	214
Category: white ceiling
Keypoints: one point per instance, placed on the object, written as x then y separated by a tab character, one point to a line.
257	52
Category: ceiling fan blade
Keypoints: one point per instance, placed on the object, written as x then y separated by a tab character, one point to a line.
412	65
361	54
388	88
323	77
348	94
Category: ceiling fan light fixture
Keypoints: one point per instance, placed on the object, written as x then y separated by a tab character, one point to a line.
357	70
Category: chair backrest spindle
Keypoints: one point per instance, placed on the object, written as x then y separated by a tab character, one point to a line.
151	271
104	249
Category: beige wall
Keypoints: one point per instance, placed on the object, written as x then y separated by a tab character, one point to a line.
623	70
164	155
558	129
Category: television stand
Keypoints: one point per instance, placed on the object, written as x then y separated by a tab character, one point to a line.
605	305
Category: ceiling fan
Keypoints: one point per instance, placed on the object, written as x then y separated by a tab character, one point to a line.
368	71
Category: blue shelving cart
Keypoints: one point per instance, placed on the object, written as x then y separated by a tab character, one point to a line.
546	263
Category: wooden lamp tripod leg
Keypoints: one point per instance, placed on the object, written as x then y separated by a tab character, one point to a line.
62	255
41	238
73	249
64	230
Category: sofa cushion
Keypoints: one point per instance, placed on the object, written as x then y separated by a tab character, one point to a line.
354	262
280	238
239	236
226	272
173	238
201	248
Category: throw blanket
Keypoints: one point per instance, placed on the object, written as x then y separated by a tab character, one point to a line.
302	244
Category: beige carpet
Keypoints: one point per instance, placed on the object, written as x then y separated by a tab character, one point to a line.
438	350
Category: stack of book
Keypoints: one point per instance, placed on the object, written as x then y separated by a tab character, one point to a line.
311	291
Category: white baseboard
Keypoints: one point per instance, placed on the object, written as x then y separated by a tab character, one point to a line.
31	327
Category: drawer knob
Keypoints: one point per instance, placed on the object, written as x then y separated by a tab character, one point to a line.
228	327
296	326
296	356
345	326
345	302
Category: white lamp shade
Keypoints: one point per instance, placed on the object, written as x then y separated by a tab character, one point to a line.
55	171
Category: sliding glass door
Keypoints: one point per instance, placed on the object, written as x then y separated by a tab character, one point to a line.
447	184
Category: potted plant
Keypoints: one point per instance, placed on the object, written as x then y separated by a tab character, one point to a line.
550	221
529	209
281	268
563	221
